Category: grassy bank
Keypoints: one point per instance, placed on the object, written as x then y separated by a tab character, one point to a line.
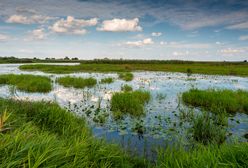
214	100
129	102
28	83
44	135
194	67
76	82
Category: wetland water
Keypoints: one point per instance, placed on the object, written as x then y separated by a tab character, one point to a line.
163	123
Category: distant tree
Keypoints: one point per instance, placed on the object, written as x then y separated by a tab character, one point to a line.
245	60
66	58
47	58
74	58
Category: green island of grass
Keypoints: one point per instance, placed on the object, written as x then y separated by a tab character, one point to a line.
218	101
126	88
129	102
76	82
28	83
107	80
126	76
210	68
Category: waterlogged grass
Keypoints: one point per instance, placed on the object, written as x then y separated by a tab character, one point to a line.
235	155
214	100
126	76
44	135
130	102
126	88
210	68
28	83
76	82
107	80
207	130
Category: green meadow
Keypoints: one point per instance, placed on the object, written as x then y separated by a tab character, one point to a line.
209	68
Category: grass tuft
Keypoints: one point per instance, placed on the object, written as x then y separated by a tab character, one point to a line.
126	88
127	76
130	102
76	82
107	80
28	83
228	100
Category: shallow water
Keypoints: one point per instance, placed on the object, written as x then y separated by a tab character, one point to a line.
161	126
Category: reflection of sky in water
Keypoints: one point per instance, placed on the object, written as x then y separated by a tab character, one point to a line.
160	126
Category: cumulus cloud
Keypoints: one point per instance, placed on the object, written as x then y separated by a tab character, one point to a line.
3	37
120	25
243	25
243	38
70	25
21	19
39	34
156	34
140	43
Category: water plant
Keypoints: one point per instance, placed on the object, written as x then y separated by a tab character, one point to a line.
76	82
130	102
126	76
227	100
107	80
28	83
206	131
126	88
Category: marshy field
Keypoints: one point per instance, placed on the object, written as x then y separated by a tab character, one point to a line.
124	114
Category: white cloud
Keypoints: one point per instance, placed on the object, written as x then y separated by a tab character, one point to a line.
39	34
70	25
3	37
163	42
243	38
28	19
156	34
120	25
140	43
177	53
188	45
231	51
243	25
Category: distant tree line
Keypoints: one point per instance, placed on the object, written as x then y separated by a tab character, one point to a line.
110	61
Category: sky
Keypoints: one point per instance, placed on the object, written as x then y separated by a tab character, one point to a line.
200	30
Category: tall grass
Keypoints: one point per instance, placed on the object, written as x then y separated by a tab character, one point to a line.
227	155
130	102
206	131
76	82
228	100
127	76
44	135
28	83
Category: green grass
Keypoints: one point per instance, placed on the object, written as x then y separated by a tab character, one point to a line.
76	82
107	80
44	135
126	76
130	102
227	155
207	131
211	68
28	83
226	100
126	88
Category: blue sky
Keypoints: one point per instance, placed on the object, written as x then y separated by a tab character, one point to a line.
130	29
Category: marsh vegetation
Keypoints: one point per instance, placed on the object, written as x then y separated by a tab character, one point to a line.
77	82
28	83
